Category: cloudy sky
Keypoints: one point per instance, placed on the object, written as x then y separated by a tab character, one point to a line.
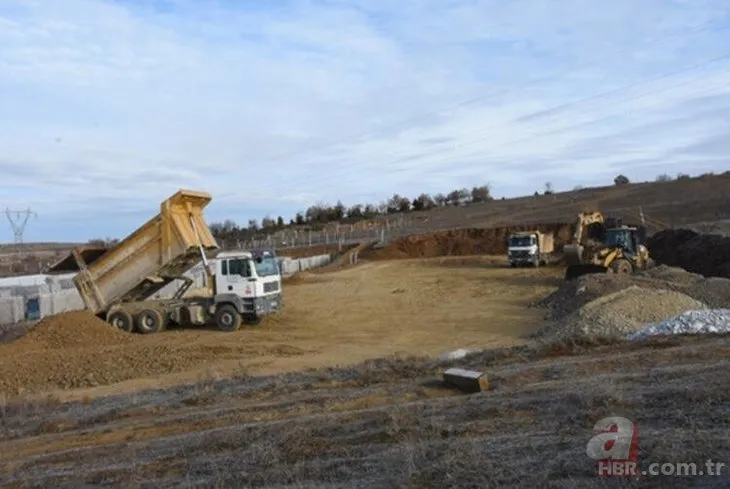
109	106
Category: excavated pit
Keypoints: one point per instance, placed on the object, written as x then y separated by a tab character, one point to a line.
462	242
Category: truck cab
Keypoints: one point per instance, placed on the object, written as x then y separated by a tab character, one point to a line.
529	248
250	281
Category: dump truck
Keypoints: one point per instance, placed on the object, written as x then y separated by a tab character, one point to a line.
116	284
603	244
530	248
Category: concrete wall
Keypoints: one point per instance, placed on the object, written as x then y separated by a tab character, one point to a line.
60	295
289	266
12	309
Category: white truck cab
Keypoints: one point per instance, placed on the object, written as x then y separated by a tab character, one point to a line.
249	279
529	248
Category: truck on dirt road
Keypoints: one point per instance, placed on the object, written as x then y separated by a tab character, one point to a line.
117	283
530	248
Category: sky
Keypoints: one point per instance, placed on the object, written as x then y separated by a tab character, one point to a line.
107	107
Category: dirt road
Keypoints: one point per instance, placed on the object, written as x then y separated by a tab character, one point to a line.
420	307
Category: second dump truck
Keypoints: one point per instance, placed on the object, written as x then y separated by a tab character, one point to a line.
530	248
117	283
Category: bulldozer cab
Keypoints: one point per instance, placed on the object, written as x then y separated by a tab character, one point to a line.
628	238
622	237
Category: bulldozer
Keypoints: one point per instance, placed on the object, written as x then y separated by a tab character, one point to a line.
605	245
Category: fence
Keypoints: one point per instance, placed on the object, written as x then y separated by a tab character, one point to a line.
493	214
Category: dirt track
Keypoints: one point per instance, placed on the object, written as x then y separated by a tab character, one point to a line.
338	318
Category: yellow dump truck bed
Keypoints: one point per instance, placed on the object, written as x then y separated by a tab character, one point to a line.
546	242
164	247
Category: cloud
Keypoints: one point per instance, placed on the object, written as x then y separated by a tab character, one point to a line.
107	107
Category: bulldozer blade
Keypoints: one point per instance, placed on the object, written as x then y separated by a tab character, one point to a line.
575	271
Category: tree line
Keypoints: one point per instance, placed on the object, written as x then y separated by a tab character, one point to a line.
317	216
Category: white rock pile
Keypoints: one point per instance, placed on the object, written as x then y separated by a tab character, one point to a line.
689	322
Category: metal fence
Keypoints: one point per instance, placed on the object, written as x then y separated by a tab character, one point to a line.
489	215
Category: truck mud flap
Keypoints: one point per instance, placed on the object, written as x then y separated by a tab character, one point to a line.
574	271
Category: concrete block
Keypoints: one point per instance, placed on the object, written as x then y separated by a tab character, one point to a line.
466	380
67	301
8	310
46	304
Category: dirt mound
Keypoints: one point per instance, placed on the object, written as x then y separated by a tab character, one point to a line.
69	330
572	295
460	242
707	254
25	369
619	313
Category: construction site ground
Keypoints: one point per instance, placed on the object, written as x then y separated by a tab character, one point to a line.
343	389
372	310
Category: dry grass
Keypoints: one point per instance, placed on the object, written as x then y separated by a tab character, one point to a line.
389	423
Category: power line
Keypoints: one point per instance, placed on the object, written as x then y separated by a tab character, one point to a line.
18	221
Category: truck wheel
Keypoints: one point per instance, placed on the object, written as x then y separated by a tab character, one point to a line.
149	321
121	320
227	318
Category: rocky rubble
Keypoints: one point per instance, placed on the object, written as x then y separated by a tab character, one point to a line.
607	305
689	322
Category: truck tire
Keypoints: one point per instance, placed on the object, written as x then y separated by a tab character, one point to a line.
227	318
149	321
121	320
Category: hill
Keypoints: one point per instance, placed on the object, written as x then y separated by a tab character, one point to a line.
698	202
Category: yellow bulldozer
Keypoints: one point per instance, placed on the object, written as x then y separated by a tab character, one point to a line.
605	245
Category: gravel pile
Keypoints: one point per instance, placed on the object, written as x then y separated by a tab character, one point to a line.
688	322
619	313
571	296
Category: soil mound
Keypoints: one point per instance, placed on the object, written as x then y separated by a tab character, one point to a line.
75	329
707	254
461	242
619	314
